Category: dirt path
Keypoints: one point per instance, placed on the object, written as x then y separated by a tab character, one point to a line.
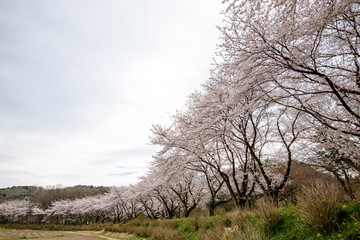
10	234
108	236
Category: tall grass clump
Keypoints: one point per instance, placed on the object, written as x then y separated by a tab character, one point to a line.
239	218
210	234
246	232
320	206
165	234
269	214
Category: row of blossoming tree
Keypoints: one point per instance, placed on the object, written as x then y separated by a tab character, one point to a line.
285	87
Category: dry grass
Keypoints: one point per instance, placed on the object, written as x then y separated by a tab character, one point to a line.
245	232
269	213
165	234
238	218
210	234
320	206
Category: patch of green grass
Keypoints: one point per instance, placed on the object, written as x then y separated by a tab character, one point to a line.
186	228
292	227
349	227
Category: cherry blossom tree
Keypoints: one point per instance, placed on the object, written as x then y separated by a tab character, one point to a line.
116	209
330	159
303	55
216	192
189	188
238	134
146	197
156	184
15	211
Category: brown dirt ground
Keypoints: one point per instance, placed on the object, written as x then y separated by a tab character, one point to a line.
57	235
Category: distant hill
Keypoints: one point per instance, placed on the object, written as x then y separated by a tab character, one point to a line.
303	174
45	196
20	192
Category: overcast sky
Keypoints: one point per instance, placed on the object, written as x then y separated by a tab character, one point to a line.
82	81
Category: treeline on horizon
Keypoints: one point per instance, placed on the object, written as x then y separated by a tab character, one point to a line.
284	92
44	196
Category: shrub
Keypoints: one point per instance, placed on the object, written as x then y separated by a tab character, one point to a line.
114	228
221	221
210	234
167	223
320	206
136	222
143	231
165	234
239	218
196	223
206	223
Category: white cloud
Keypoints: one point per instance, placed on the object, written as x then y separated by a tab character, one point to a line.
81	82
